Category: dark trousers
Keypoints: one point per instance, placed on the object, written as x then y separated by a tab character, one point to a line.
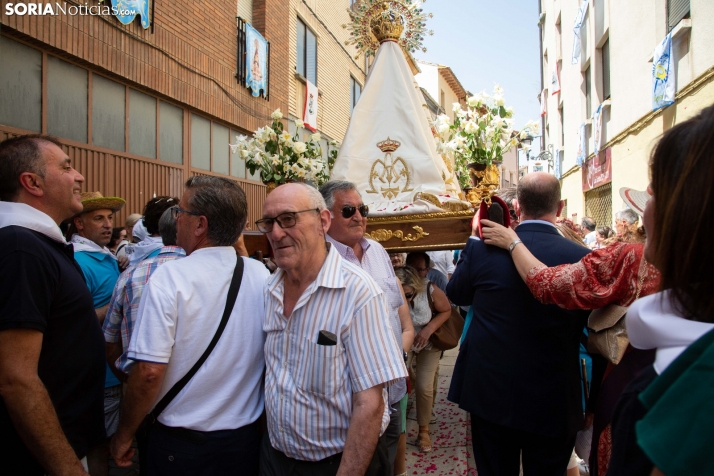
392	434
276	463
498	451
178	451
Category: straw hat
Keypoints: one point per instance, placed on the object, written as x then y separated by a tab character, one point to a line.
635	199
96	201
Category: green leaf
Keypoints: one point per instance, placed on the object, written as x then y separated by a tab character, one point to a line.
502	111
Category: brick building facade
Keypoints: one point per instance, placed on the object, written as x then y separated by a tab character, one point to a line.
141	110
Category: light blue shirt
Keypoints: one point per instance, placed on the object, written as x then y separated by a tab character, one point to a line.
101	272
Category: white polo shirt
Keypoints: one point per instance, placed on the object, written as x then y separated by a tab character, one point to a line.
179	313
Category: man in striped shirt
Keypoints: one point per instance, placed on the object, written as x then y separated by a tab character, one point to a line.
328	352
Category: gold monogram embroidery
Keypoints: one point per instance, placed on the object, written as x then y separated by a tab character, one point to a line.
390	171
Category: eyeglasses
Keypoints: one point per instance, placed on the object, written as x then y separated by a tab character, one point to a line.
512	213
421	270
348	211
176	210
409	295
285	220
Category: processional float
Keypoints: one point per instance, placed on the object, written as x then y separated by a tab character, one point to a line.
390	151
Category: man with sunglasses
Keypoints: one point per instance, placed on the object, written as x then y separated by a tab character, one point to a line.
346	233
323	320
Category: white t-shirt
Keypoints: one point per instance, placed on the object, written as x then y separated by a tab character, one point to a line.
443	261
179	313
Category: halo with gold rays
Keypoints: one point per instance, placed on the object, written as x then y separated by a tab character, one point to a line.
376	21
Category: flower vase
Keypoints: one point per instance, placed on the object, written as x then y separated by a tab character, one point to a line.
270	186
486	179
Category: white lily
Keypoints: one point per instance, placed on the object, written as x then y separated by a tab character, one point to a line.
277	115
299	147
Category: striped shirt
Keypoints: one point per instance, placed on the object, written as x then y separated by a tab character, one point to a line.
309	387
124	305
375	261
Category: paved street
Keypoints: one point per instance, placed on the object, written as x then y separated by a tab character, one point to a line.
450	435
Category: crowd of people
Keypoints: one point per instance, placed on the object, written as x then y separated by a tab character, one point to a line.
165	332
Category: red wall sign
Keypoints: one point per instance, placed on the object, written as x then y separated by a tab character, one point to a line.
597	171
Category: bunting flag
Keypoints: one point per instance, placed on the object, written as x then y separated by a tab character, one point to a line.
582	146
576	29
555	81
543	100
597	129
556	164
309	116
663	87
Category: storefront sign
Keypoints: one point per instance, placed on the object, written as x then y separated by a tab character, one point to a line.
597	171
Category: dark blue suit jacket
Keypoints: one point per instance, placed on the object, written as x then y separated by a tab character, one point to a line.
519	364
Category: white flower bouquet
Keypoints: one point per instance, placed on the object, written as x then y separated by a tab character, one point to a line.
481	133
282	158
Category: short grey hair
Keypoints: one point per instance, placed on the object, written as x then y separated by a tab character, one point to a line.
222	201
628	215
589	224
316	200
329	190
167	228
508	194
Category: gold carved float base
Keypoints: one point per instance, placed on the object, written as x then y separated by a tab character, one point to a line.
421	232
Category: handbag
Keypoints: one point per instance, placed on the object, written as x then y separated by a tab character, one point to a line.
447	336
142	432
607	334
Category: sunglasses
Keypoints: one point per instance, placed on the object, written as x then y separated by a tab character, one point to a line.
348	211
513	215
409	295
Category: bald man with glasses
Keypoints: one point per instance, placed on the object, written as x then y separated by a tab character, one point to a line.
323	320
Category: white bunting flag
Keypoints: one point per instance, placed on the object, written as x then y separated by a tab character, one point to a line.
576	29
555	81
309	116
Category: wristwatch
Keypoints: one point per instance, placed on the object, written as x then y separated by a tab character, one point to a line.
513	245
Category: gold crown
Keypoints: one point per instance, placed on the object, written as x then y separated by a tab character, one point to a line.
388	25
388	145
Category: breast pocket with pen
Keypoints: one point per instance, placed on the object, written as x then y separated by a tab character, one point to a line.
321	367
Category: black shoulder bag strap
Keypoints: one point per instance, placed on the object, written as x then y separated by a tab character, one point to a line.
230	303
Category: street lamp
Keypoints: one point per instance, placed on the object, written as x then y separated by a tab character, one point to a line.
546	155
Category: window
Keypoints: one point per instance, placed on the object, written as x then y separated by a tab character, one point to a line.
606	69
245	10
108	113
142	124
355	92
588	94
562	126
220	148
676	11
306	53
171	133
585	53
200	142
67	100
21	86
442	100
